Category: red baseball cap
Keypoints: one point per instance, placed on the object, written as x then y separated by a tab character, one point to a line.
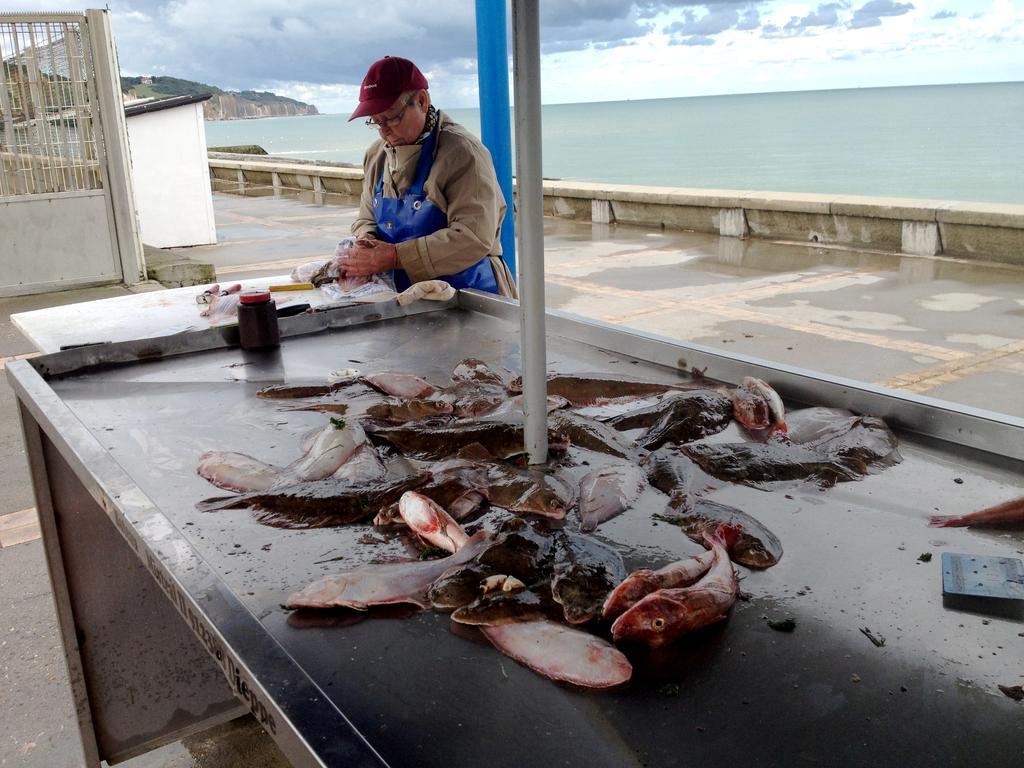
385	81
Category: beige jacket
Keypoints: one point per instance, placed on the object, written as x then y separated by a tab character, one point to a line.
462	183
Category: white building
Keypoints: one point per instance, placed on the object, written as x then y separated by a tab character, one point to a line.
171	172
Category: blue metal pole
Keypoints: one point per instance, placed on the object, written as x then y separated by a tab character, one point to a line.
495	125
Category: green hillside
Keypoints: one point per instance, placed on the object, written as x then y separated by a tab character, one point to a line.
173	86
167	86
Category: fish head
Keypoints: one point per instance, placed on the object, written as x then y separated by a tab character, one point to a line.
654	621
750	409
629	592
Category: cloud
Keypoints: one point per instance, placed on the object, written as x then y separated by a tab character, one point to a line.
750	19
826	16
871	13
692	40
711	23
944	15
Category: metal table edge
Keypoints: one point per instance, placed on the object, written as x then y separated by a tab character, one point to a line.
979	429
127	507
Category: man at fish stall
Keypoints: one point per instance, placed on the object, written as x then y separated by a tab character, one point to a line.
431	207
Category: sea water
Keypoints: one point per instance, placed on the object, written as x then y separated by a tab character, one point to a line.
945	142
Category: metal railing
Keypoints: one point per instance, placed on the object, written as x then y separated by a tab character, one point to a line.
47	138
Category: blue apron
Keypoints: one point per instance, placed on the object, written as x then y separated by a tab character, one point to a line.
412	216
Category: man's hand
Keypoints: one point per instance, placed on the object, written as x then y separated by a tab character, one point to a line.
368	257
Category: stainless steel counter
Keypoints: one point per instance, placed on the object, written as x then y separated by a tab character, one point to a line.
114	436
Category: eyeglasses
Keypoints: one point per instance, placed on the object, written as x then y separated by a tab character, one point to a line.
376	125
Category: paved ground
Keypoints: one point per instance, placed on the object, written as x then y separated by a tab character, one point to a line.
946	328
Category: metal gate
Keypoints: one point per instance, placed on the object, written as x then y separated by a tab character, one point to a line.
67	209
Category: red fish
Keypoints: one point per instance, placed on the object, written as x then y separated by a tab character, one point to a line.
757	406
681	573
431	522
1008	513
664	615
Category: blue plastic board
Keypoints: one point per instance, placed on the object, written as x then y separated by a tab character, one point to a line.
1001	578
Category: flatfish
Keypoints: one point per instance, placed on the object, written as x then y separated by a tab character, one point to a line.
502	440
399	411
759	464
583	391
584	432
317	503
674	473
499	606
237	472
384	584
755	546
562	653
683	417
479	372
527	491
608	492
584	572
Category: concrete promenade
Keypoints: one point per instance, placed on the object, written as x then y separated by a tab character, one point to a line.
936	326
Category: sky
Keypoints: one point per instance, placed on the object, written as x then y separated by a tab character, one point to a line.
317	51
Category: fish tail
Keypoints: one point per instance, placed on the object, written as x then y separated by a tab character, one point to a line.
217	503
946	521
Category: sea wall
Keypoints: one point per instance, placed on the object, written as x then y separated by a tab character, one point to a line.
987	231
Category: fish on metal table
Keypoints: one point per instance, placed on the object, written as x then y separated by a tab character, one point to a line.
584	572
581	390
317	503
760	464
527	491
856	441
400	411
584	432
479	372
237	472
685	417
608	492
562	653
431	522
500	606
758	407
754	545
664	615
681	573
426	440
674	473
458	485
383	584
333	446
405	385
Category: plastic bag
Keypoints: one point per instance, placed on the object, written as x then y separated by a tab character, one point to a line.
358	287
221	304
325	270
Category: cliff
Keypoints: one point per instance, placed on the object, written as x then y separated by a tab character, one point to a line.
224	105
234	106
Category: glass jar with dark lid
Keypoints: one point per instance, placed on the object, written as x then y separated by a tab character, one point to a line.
257	320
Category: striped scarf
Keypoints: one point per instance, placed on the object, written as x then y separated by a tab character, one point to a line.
432	117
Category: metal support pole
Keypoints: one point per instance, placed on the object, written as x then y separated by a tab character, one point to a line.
526	70
495	125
